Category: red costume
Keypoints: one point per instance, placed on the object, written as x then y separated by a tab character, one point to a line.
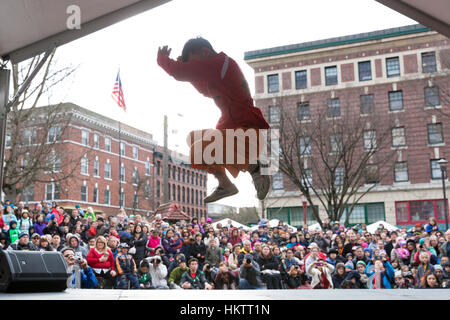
221	79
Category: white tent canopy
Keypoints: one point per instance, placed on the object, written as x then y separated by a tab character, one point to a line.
226	222
273	223
30	27
374	226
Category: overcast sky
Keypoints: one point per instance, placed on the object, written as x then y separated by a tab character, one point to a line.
232	26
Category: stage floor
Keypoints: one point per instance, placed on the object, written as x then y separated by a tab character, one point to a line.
344	294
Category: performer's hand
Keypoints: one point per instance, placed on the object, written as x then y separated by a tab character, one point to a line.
165	50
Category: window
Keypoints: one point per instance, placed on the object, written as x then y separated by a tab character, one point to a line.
135	200
372	174
8	140
365	71
122	149
334	108
401	172
107	198
429	62
412	212
184	176
96	168
336	142
435	133
52	191
122	174
274	115
370	140
308	177
29	137
54	134
54	162
272	83
367	104
158	168
27	194
84	137
305	146
196	177
277	183
147	190
339	176
158	189
395	100
393	67
122	199
187	195
95	195
108	144
431	97
300	79
303	111
135	176
398	137
85	166
184	195
147	168
364	213
84	193
135	152
96	141
331	76
179	174
107	170
436	172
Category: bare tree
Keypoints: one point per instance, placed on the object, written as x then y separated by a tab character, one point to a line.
335	155
34	152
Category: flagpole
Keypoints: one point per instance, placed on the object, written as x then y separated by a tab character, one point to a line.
120	167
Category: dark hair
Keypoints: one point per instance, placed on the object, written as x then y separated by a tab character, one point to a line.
191	260
194	46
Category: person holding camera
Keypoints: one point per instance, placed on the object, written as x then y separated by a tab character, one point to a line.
158	271
249	274
381	273
296	277
193	278
82	276
320	272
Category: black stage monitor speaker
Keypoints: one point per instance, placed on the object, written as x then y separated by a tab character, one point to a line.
32	271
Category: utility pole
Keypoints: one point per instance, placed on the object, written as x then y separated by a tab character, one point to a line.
4	96
165	168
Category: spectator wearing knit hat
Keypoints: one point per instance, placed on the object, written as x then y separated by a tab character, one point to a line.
23	243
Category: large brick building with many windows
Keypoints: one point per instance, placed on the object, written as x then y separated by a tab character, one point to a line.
403	73
94	139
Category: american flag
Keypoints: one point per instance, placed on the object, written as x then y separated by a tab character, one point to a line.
117	93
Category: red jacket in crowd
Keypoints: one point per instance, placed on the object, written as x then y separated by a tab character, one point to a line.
93	260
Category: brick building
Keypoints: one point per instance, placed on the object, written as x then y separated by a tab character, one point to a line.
402	73
94	140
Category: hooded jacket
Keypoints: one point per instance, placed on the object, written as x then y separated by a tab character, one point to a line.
39	228
158	273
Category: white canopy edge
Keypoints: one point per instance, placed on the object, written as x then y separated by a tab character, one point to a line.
87	28
431	13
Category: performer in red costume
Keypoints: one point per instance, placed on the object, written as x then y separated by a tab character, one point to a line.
219	77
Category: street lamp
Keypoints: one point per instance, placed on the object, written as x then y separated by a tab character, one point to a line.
303	198
443	164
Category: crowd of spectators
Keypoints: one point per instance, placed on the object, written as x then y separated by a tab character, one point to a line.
140	252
